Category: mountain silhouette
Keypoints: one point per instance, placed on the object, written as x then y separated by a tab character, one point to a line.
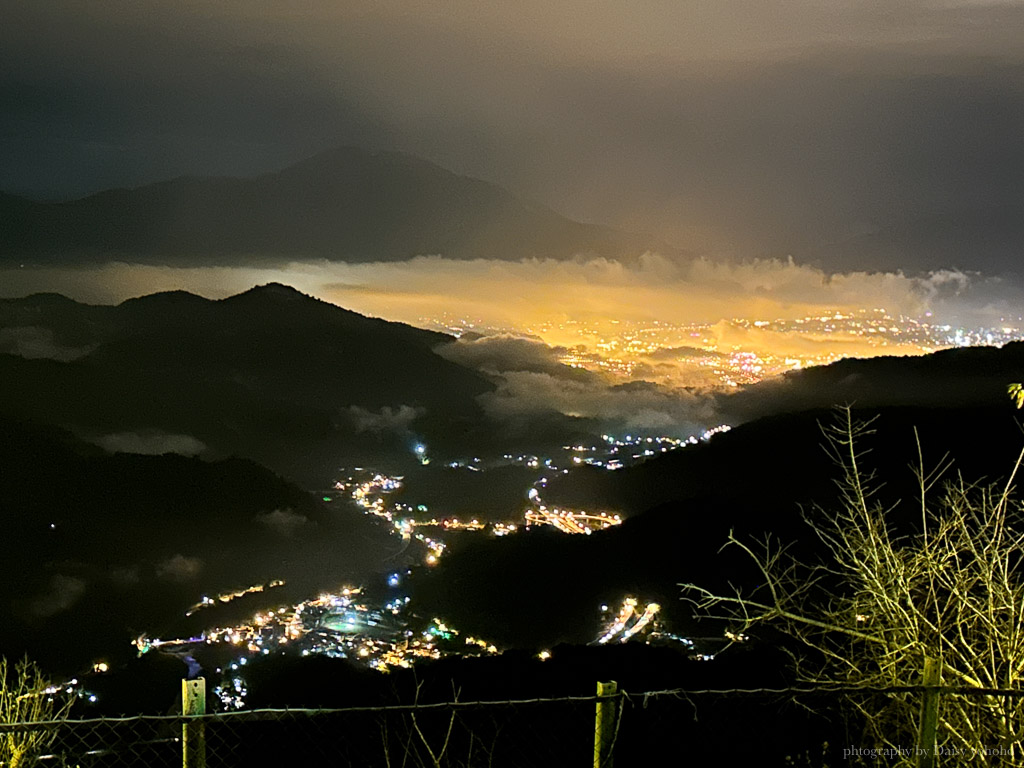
297	384
345	204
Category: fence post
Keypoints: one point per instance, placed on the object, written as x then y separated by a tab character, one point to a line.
926	739
193	734
604	724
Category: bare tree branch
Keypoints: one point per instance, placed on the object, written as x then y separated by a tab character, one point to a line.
950	590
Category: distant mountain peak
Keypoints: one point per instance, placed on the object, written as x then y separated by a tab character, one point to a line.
275	291
46	297
345	204
166	297
347	153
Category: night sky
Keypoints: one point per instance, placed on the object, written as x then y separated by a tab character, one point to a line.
733	128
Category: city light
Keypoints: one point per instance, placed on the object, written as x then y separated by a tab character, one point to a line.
736	351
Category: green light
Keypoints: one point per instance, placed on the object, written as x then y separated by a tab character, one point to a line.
327	498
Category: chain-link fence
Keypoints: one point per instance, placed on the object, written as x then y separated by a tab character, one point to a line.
514	733
787	727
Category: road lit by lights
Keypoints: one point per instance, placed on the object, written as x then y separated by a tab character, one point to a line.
569	521
227	597
629	621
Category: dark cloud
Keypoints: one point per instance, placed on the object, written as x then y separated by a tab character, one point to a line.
33	342
502	353
284	522
394	420
638	406
532	382
126	576
153	443
857	132
179	568
62	593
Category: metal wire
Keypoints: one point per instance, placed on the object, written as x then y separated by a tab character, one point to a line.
785	726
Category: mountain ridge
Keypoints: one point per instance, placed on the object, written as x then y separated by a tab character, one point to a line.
270	374
295	383
343	204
